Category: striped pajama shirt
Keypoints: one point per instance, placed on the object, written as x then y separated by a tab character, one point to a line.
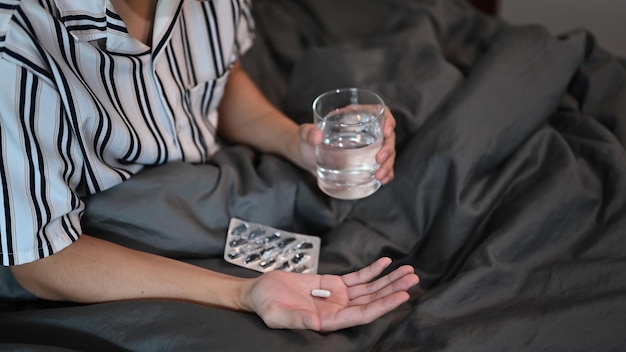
83	106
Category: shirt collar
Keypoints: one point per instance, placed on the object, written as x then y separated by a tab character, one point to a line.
97	21
85	20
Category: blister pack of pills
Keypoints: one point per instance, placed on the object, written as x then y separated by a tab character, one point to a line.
263	248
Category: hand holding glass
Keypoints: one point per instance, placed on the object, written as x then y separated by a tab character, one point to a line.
351	123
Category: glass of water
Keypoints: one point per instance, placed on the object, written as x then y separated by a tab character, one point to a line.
351	123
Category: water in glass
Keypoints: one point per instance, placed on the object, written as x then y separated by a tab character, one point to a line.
346	159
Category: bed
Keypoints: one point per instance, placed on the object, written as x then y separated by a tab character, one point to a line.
509	197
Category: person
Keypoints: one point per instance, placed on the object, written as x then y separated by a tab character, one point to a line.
95	91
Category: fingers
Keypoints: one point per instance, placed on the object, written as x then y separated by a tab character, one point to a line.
363	314
389	124
385	173
361	288
371	300
387	154
400	280
385	281
366	274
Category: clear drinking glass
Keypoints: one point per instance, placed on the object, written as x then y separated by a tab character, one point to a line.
350	120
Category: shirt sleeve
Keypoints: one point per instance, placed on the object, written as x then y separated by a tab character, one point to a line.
245	27
39	169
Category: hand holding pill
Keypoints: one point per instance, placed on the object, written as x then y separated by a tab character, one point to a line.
329	302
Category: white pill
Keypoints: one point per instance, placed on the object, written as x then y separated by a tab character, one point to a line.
320	293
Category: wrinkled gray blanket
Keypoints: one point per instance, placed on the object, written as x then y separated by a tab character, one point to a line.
509	196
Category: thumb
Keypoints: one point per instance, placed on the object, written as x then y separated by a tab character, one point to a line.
310	134
292	319
310	320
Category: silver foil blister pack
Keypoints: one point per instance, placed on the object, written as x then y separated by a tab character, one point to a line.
264	248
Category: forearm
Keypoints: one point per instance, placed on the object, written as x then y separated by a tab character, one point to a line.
247	117
93	270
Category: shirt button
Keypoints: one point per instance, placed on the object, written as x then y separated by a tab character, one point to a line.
178	128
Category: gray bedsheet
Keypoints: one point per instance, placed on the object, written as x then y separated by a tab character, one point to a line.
509	196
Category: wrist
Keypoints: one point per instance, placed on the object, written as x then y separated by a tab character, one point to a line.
243	296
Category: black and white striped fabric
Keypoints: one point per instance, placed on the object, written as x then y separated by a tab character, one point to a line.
83	106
